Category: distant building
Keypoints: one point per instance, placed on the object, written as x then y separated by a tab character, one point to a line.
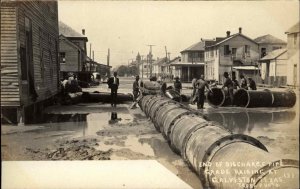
158	67
236	54
269	43
192	62
293	37
29	58
274	68
174	69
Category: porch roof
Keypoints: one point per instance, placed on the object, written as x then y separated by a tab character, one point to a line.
245	68
187	64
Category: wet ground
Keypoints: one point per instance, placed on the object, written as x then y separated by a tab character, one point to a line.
86	132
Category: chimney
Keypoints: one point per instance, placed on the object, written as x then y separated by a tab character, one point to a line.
228	33
240	30
83	31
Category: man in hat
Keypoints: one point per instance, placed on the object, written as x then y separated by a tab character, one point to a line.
252	84
113	84
200	85
177	85
228	84
136	88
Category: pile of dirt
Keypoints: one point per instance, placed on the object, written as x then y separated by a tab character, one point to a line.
75	149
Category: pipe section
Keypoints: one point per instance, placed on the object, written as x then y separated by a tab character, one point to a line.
249	99
220	158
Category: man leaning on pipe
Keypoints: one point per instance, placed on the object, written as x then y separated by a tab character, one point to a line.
229	85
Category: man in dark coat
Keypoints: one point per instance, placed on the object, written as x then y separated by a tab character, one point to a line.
252	84
113	84
177	85
200	85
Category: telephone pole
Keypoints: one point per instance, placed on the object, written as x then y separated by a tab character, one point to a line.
150	57
108	57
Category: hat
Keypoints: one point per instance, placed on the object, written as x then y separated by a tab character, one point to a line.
176	77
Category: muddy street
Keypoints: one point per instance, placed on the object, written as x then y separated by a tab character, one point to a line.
85	131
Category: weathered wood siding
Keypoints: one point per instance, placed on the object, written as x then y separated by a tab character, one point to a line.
44	20
10	93
72	57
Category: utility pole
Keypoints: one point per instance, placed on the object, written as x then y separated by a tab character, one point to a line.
108	57
142	66
150	57
90	55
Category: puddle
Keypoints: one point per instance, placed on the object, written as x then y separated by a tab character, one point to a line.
85	124
138	145
247	122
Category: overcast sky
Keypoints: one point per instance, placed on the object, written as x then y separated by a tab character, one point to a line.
128	27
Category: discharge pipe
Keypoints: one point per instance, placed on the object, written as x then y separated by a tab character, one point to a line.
220	158
250	98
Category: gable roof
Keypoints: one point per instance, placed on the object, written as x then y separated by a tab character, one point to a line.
269	39
195	47
220	40
62	37
67	31
160	61
274	54
294	29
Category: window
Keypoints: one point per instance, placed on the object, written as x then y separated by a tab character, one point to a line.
247	50
62	57
226	50
145	66
233	51
212	53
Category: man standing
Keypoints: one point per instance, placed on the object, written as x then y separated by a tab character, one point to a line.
177	85
194	94
136	88
229	85
113	84
243	82
200	85
252	84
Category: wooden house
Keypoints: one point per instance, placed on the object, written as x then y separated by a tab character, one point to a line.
235	54
293	45
29	58
268	43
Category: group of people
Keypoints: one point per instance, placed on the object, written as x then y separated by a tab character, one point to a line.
199	86
70	84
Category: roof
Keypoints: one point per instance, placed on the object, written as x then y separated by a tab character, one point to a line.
269	39
220	40
294	29
160	61
245	68
195	47
62	37
187	64
67	31
274	54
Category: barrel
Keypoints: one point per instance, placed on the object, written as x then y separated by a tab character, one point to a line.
170	118
162	112
285	98
250	99
181	128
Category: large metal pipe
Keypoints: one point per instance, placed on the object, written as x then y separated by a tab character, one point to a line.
211	150
248	98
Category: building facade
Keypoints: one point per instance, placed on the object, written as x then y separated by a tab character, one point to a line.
236	54
29	58
293	37
269	43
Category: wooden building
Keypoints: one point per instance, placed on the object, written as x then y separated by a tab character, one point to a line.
233	53
274	68
29	58
73	52
268	43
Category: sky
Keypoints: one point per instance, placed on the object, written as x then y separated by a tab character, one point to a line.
128	27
